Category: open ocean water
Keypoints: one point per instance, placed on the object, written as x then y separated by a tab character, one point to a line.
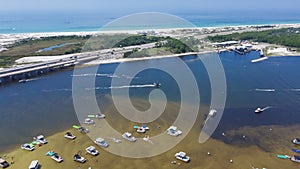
30	22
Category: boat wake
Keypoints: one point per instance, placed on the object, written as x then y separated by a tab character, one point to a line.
265	90
123	87
294	90
28	80
266	108
105	75
57	90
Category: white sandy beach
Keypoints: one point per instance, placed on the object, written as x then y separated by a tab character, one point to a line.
197	32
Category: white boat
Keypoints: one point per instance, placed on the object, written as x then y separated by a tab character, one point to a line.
69	135
40	139
88	121
27	146
101	142
3	163
296	159
78	158
173	131
141	130
97	116
258	110
128	136
296	141
212	113
182	156
57	158
83	130
34	164
92	150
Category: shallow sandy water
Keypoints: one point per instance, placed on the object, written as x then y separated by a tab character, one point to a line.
259	148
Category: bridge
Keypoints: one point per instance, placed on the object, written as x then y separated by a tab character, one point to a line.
25	72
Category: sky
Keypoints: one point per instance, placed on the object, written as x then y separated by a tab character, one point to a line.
147	5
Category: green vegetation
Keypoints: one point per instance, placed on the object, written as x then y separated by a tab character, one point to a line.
138	40
163	46
76	44
289	37
147	52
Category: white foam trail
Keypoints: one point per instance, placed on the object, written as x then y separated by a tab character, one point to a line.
265	90
266	108
57	90
295	90
123	87
105	75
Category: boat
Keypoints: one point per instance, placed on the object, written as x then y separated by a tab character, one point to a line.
97	116
76	127
26	146
296	141
296	159
57	158
69	135
157	85
88	121
141	130
3	163
182	156
92	150
212	113
78	158
128	136
258	110
101	142
34	164
296	151
173	131
40	139
83	130
283	156
50	153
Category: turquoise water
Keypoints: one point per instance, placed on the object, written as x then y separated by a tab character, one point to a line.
29	22
45	105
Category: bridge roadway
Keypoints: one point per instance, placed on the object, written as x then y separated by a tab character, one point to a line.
36	67
70	60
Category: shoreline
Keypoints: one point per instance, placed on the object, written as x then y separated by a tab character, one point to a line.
17	36
92	32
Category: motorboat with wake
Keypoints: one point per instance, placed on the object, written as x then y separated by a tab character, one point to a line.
260	110
157	85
